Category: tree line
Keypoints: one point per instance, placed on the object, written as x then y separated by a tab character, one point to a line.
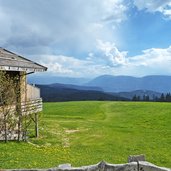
163	98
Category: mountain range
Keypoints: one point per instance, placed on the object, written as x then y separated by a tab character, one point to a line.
106	87
60	92
48	79
110	83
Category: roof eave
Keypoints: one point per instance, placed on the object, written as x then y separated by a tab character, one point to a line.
38	68
12	68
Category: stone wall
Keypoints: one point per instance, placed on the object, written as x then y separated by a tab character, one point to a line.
103	166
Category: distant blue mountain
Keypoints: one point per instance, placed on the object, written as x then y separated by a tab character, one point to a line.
108	83
48	79
77	87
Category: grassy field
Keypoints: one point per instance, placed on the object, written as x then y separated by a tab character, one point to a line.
83	133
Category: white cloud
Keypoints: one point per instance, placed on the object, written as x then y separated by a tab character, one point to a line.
65	31
115	11
162	6
112	54
151	62
154	57
59	25
5	31
154	61
66	65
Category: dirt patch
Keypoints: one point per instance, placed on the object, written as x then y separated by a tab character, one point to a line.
70	131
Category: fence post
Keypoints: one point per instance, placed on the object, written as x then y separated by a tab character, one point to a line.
36	125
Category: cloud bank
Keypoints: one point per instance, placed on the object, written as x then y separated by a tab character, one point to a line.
81	38
58	26
162	6
154	60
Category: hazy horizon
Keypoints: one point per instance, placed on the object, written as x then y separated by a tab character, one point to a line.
45	79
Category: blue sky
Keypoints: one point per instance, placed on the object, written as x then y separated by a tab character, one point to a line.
78	38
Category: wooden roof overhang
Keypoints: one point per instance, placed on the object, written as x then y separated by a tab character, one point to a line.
10	61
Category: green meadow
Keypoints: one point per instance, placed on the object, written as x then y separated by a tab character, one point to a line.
84	133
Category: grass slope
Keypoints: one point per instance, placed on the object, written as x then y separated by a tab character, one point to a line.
83	133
